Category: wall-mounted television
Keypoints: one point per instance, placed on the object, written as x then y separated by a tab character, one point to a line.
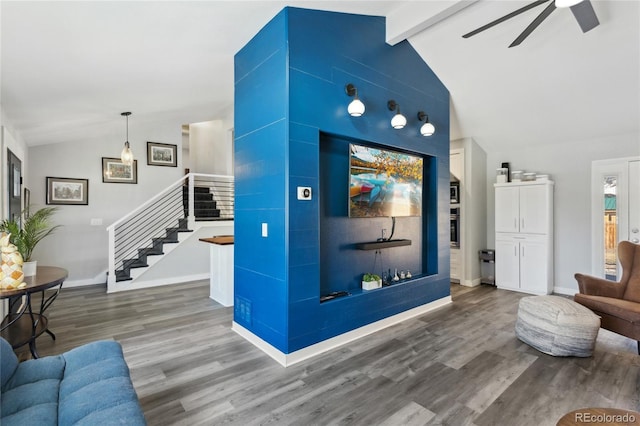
384	183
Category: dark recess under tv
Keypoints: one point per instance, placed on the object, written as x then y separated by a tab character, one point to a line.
375	245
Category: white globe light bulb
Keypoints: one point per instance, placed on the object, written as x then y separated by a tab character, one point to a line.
398	121
356	108
427	129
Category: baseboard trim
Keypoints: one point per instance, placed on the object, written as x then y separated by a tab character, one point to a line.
300	355
101	278
128	285
567	291
471	283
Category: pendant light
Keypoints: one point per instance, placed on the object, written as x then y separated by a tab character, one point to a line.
127	155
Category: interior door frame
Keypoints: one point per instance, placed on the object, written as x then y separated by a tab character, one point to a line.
14	187
599	169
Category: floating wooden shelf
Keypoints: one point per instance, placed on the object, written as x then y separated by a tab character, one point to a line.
375	245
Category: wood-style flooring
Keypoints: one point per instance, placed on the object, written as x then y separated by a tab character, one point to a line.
458	365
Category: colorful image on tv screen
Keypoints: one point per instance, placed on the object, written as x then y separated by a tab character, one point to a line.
384	183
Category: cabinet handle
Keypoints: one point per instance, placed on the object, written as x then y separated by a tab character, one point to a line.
515	251
522	251
523	223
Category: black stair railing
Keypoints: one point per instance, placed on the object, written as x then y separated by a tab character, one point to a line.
143	232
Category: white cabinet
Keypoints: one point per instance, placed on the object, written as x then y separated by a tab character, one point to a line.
524	236
522	263
524	209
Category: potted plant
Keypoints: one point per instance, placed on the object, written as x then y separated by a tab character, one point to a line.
371	281
35	227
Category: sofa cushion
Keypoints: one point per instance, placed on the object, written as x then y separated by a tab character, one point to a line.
91	405
31	393
20	402
90	370
8	364
40	414
77	380
89	385
31	371
620	308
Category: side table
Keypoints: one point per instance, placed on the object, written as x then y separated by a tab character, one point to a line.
24	326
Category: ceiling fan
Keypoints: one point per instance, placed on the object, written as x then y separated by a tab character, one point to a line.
582	10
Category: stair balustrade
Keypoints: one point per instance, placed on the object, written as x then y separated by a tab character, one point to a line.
143	232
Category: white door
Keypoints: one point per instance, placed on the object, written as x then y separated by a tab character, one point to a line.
615	212
507	209
507	264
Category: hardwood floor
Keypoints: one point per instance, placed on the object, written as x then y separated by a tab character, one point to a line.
459	365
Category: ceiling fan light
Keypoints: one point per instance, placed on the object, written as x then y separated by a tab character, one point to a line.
567	3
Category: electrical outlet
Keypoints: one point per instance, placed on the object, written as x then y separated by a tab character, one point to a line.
265	230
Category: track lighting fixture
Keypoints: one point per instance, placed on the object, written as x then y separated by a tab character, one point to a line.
427	128
127	155
356	107
398	121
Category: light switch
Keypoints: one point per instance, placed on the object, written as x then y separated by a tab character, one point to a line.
265	230
96	221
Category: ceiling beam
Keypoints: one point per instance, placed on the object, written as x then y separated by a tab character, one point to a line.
416	16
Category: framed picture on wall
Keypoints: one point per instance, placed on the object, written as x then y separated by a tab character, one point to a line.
65	191
115	171
162	154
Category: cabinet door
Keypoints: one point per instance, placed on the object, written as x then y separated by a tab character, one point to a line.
534	209
507	209
534	267
507	264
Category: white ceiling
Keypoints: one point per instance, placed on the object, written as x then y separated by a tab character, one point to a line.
68	68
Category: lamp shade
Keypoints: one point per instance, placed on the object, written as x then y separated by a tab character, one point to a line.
127	155
356	108
427	129
398	121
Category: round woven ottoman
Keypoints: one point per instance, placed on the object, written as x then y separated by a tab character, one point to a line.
557	326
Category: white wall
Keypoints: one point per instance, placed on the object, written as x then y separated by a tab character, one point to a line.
569	165
473	208
210	149
78	246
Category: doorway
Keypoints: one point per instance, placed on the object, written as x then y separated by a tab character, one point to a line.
15	186
615	212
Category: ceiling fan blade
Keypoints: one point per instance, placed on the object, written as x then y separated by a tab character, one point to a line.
585	15
533	25
505	17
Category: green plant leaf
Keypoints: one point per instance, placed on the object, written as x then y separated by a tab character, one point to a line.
36	227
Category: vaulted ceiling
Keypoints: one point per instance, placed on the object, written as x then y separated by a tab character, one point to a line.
69	68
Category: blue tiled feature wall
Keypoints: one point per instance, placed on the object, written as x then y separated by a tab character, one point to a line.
291	121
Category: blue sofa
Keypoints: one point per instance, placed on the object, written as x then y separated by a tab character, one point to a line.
89	385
